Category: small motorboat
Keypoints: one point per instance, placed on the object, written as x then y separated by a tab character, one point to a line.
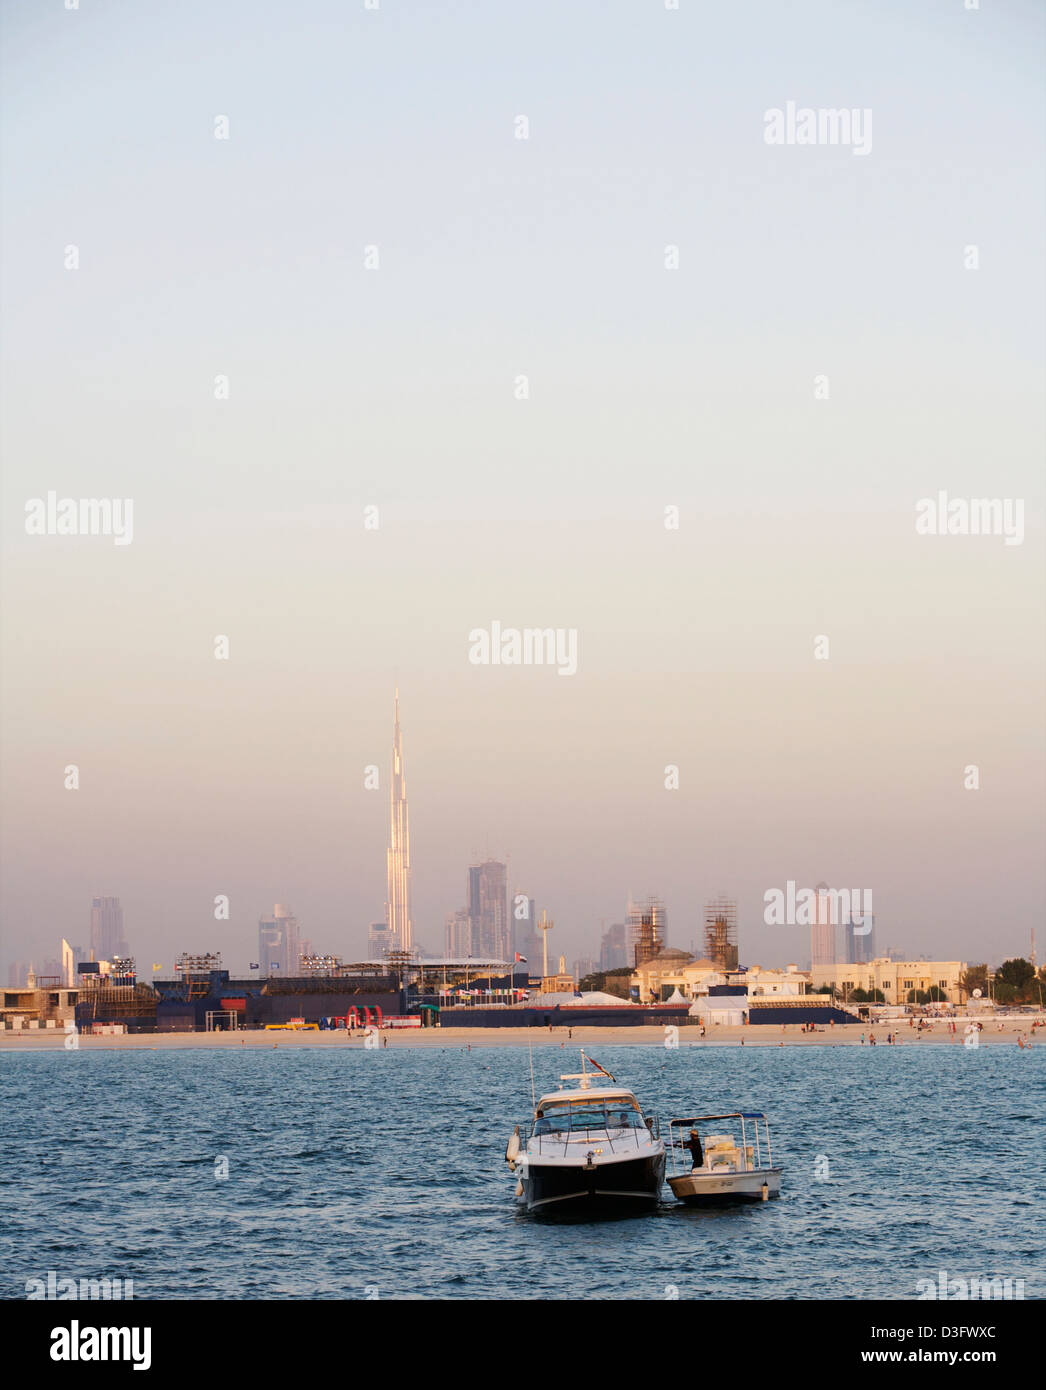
728	1170
588	1147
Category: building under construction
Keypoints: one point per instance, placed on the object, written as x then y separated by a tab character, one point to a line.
114	996
646	925
721	933
127	1003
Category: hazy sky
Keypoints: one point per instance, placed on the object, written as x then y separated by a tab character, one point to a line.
395	387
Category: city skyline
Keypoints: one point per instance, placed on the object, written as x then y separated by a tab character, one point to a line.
489	925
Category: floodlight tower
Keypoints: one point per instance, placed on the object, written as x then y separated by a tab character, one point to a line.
544	927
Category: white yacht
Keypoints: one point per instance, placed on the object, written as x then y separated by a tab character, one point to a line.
588	1146
718	1166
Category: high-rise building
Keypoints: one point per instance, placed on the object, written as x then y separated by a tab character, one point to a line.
584	965
822	928
279	949
397	902
380	940
107	938
721	932
51	969
526	939
647	927
487	906
860	939
458	934
613	949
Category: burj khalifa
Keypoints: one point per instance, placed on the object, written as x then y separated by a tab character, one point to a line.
397	904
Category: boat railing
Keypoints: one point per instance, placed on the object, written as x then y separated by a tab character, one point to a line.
750	1155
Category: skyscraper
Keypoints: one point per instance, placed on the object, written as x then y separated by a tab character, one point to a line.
397	902
458	934
721	932
380	940
822	928
613	950
487	907
107	938
526	939
860	939
279	949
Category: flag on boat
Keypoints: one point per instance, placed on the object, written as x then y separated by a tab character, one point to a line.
602	1069
156	967
520	960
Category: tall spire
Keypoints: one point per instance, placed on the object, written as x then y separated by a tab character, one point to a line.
397	904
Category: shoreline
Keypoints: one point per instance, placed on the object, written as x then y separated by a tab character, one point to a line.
462	1039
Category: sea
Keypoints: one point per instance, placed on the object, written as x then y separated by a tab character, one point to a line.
301	1173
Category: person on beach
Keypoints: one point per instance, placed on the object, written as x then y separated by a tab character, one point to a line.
862	1040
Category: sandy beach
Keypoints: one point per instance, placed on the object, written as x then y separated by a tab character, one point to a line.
846	1035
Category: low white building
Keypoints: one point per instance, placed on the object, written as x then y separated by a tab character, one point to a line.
719	1010
790	982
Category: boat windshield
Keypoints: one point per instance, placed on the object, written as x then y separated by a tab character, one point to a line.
593	1114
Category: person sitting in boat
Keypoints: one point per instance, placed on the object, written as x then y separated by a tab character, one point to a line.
696	1152
541	1125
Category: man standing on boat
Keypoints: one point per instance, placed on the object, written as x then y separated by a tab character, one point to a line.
696	1152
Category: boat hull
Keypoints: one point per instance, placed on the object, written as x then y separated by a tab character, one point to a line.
632	1184
710	1189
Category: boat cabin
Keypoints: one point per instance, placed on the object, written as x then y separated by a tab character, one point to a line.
594	1108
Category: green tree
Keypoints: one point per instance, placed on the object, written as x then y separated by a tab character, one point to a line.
1017	972
608	981
976	977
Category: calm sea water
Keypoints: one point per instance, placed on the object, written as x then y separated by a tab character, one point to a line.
356	1173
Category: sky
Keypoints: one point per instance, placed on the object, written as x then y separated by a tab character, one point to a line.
397	387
